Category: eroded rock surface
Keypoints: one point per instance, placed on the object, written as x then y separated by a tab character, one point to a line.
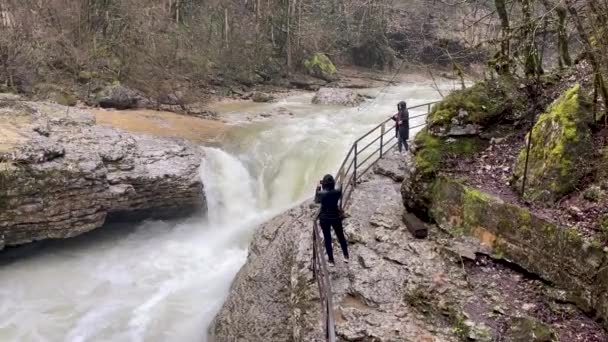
396	287
62	175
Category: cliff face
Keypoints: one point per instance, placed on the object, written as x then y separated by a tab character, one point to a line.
62	175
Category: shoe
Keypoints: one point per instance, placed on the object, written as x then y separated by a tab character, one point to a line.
346	260
331	264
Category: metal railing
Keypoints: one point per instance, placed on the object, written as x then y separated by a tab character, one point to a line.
358	161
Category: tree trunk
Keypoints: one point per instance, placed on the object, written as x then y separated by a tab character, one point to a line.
562	38
593	58
504	57
288	41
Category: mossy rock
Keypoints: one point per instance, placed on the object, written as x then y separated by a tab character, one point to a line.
430	152
320	66
469	111
561	145
527	329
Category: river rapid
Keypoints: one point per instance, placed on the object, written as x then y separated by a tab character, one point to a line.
165	281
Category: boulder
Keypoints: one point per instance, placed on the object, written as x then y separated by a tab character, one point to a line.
120	97
262	97
320	66
561	143
62	175
469	111
336	96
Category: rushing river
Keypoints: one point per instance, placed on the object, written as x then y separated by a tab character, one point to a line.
165	281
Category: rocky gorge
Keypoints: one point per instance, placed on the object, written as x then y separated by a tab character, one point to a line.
397	287
501	263
63	175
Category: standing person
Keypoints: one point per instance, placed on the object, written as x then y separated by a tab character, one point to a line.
330	216
402	127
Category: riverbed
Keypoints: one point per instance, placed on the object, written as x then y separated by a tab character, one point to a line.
165	281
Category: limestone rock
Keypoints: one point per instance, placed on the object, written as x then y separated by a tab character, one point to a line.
120	97
320	66
529	329
336	96
69	177
561	143
262	97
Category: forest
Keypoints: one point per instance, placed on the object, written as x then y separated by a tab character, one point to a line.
76	47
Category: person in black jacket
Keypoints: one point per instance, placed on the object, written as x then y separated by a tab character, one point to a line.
402	127
330	216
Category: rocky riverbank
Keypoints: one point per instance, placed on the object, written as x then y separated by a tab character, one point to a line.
63	175
397	287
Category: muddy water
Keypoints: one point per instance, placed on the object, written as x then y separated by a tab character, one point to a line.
164	281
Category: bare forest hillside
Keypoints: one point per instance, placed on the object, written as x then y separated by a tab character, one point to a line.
173	51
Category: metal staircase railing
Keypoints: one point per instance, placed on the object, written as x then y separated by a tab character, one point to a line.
358	161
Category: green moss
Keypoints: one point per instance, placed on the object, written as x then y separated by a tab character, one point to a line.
480	104
572	234
320	65
561	140
474	205
459	328
432	150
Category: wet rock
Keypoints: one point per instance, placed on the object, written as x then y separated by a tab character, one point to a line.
477	331
392	168
75	176
120	97
200	110
307	82
529	329
384	220
262	97
561	144
336	96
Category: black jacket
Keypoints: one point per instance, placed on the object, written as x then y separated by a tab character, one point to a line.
402	126
329	199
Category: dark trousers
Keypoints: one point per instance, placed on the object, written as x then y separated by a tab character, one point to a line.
402	141
336	224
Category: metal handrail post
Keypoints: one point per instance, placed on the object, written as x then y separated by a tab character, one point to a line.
382	138
355	167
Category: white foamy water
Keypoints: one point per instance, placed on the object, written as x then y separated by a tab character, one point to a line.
165	281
